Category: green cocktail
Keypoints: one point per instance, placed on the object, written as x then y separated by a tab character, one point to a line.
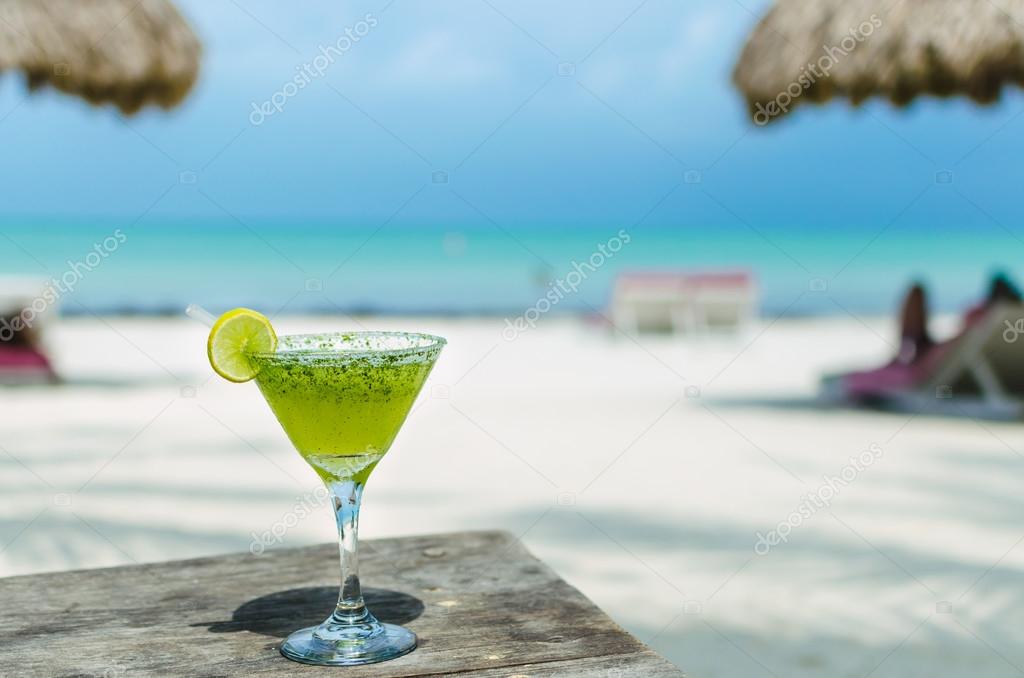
341	399
341	416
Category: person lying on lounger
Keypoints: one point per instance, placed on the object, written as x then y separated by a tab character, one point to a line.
979	362
915	340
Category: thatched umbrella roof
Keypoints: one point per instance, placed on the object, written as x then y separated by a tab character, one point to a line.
127	52
813	50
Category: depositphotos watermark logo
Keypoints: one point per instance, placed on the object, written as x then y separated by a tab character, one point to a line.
1013	330
62	285
308	72
816	70
820	499
304	507
565	286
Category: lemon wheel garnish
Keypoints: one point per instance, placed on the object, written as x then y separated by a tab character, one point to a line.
234	338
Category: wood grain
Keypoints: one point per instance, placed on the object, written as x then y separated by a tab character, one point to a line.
480	603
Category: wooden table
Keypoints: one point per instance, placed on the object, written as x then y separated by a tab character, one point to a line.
480	603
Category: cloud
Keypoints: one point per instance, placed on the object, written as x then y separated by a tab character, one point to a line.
437	60
697	41
667	52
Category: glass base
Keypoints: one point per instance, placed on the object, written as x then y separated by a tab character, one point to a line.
347	644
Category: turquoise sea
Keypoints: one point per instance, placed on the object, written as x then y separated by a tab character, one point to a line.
324	267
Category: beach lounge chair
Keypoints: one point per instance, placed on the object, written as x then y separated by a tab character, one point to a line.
683	301
23	358
979	373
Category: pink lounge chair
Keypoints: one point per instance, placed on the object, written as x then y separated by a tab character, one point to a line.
24	364
978	373
23	358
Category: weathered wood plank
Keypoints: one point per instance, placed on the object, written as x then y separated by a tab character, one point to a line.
479	602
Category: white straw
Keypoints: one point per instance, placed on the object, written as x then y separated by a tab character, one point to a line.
197	312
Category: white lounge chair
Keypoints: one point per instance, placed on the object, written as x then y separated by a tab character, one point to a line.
683	301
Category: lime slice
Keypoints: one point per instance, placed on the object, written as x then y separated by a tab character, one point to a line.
235	336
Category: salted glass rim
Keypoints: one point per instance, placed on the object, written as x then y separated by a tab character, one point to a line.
421	344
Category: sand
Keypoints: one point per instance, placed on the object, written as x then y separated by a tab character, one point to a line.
642	470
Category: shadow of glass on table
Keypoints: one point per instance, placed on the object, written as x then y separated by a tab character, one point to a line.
281	613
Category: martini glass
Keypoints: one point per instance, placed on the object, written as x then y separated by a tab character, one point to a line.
342	398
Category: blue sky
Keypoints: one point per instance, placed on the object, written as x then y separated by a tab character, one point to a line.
472	88
544	116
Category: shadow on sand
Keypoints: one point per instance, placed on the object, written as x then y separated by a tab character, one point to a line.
94	381
939	408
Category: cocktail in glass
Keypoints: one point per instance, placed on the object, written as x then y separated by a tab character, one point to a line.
341	399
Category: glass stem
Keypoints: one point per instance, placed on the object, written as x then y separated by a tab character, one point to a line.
346	496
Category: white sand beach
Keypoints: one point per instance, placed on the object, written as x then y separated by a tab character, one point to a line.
641	470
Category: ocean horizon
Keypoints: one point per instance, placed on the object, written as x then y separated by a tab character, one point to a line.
158	268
